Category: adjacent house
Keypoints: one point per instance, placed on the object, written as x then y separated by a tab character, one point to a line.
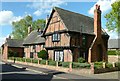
14	46
33	43
113	44
69	35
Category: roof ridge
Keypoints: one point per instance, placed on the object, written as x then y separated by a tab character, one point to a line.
72	12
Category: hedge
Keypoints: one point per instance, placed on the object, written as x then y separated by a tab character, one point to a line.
80	65
53	63
28	60
35	61
98	65
118	65
65	64
112	52
59	63
23	59
109	65
43	62
81	60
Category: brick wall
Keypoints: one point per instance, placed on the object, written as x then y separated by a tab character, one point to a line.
29	48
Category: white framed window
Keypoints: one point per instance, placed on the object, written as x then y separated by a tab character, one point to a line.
59	56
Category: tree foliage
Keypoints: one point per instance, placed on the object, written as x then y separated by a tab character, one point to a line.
113	17
20	28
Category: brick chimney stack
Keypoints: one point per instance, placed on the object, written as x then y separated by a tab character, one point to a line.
97	21
29	29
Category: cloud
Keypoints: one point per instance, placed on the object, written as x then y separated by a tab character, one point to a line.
105	5
2	39
44	7
6	17
112	34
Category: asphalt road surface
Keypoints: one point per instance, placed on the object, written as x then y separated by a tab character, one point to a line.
10	72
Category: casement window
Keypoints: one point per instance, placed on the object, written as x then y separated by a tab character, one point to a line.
84	40
31	54
59	55
56	37
34	46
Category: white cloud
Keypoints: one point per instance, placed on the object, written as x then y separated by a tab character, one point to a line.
112	34
44	6
6	17
37	13
2	39
105	5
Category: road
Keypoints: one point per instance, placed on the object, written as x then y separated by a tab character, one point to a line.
9	71
14	72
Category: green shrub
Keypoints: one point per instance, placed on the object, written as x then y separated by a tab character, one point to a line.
118	65
111	52
35	61
98	65
28	60
65	64
42	54
18	59
59	63
80	65
43	62
81	60
53	63
23	59
12	54
109	65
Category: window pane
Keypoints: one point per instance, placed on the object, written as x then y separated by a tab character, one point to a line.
56	55
61	56
58	36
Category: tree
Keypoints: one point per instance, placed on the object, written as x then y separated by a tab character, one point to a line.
113	17
20	28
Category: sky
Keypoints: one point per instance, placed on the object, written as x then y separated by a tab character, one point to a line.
14	10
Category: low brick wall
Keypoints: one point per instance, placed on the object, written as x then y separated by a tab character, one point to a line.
113	58
43	66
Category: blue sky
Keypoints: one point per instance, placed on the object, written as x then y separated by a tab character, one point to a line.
14	11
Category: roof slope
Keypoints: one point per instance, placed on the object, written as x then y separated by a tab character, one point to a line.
76	22
14	42
114	43
33	38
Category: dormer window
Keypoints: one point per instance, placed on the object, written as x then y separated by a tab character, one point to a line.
56	37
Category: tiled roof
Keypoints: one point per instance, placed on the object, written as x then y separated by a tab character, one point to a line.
76	22
33	38
14	42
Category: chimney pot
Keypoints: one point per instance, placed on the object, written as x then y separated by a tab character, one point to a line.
29	29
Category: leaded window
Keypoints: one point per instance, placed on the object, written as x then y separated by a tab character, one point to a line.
55	37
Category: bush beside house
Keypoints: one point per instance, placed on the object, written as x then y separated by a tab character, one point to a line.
43	54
